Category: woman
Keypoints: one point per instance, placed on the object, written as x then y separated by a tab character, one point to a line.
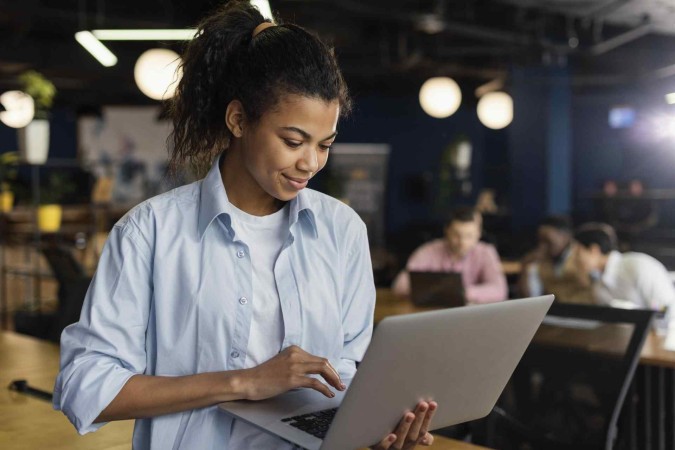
245	284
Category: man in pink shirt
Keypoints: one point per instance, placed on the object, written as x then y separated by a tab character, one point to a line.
460	251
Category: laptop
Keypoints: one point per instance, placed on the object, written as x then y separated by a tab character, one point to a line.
437	289
460	357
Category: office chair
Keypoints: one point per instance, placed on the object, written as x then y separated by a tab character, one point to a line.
73	285
568	390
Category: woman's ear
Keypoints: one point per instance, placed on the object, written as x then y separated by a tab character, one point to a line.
235	118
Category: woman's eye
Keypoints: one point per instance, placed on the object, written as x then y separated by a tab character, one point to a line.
293	144
325	147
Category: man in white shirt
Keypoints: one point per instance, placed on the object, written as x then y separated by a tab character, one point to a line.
623	279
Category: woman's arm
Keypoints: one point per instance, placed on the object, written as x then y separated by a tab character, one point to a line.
149	396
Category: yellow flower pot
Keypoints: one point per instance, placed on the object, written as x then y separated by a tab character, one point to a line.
6	201
49	218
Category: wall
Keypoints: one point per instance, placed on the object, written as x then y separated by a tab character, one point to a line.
645	151
417	141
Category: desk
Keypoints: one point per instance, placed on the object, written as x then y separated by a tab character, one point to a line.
650	400
27	423
388	304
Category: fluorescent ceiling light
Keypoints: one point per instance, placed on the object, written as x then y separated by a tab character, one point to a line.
145	35
264	8
670	98
96	48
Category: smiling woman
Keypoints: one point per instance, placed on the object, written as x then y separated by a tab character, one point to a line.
270	160
245	284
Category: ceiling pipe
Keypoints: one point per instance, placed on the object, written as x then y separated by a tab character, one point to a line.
621	39
606	9
491	86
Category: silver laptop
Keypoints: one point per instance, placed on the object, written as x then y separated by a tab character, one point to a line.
461	358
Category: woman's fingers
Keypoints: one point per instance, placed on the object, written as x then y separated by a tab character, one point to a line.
424	429
402	429
324	368
415	427
386	443
308	363
315	384
427	440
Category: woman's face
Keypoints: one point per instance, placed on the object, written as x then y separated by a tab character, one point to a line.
289	144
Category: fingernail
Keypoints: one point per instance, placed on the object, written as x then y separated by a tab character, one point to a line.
343	386
409	419
392	438
332	394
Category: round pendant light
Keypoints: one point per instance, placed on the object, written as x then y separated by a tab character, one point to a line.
495	110
440	97
157	74
19	109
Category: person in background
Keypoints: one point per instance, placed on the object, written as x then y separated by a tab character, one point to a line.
245	284
460	251
630	280
551	267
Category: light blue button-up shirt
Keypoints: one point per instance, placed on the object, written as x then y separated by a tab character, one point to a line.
165	300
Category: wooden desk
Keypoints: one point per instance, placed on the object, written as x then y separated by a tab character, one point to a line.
510	267
27	423
388	304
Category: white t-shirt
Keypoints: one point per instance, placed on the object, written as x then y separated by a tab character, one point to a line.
265	237
635	278
640	281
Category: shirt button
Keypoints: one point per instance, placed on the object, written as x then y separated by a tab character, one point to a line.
240	254
243	300
234	354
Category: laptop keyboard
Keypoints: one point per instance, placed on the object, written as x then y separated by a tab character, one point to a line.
316	423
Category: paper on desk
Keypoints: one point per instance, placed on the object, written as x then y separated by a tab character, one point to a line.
578	324
669	342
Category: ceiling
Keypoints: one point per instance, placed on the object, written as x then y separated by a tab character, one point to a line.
383	45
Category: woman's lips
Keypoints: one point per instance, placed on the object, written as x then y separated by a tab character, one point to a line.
297	183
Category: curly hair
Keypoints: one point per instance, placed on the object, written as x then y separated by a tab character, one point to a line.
225	62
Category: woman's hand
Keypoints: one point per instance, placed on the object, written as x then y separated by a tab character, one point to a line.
413	429
288	370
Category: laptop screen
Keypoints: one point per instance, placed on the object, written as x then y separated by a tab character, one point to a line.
437	289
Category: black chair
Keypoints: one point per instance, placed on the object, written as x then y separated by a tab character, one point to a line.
568	390
73	285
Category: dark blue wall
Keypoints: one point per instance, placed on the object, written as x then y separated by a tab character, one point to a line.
62	135
645	151
417	142
512	160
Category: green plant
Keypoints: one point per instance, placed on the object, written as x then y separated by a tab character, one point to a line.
8	170
41	89
57	188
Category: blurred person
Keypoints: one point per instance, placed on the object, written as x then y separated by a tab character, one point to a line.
486	203
635	212
460	251
244	284
629	280
551	268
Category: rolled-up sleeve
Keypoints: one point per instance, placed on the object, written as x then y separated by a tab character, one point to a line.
358	303
107	346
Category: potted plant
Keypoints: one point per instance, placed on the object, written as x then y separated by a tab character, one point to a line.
50	210
34	138
8	170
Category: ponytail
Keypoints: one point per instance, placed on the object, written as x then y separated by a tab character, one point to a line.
225	62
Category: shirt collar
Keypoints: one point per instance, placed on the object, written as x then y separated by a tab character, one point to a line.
213	202
611	272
